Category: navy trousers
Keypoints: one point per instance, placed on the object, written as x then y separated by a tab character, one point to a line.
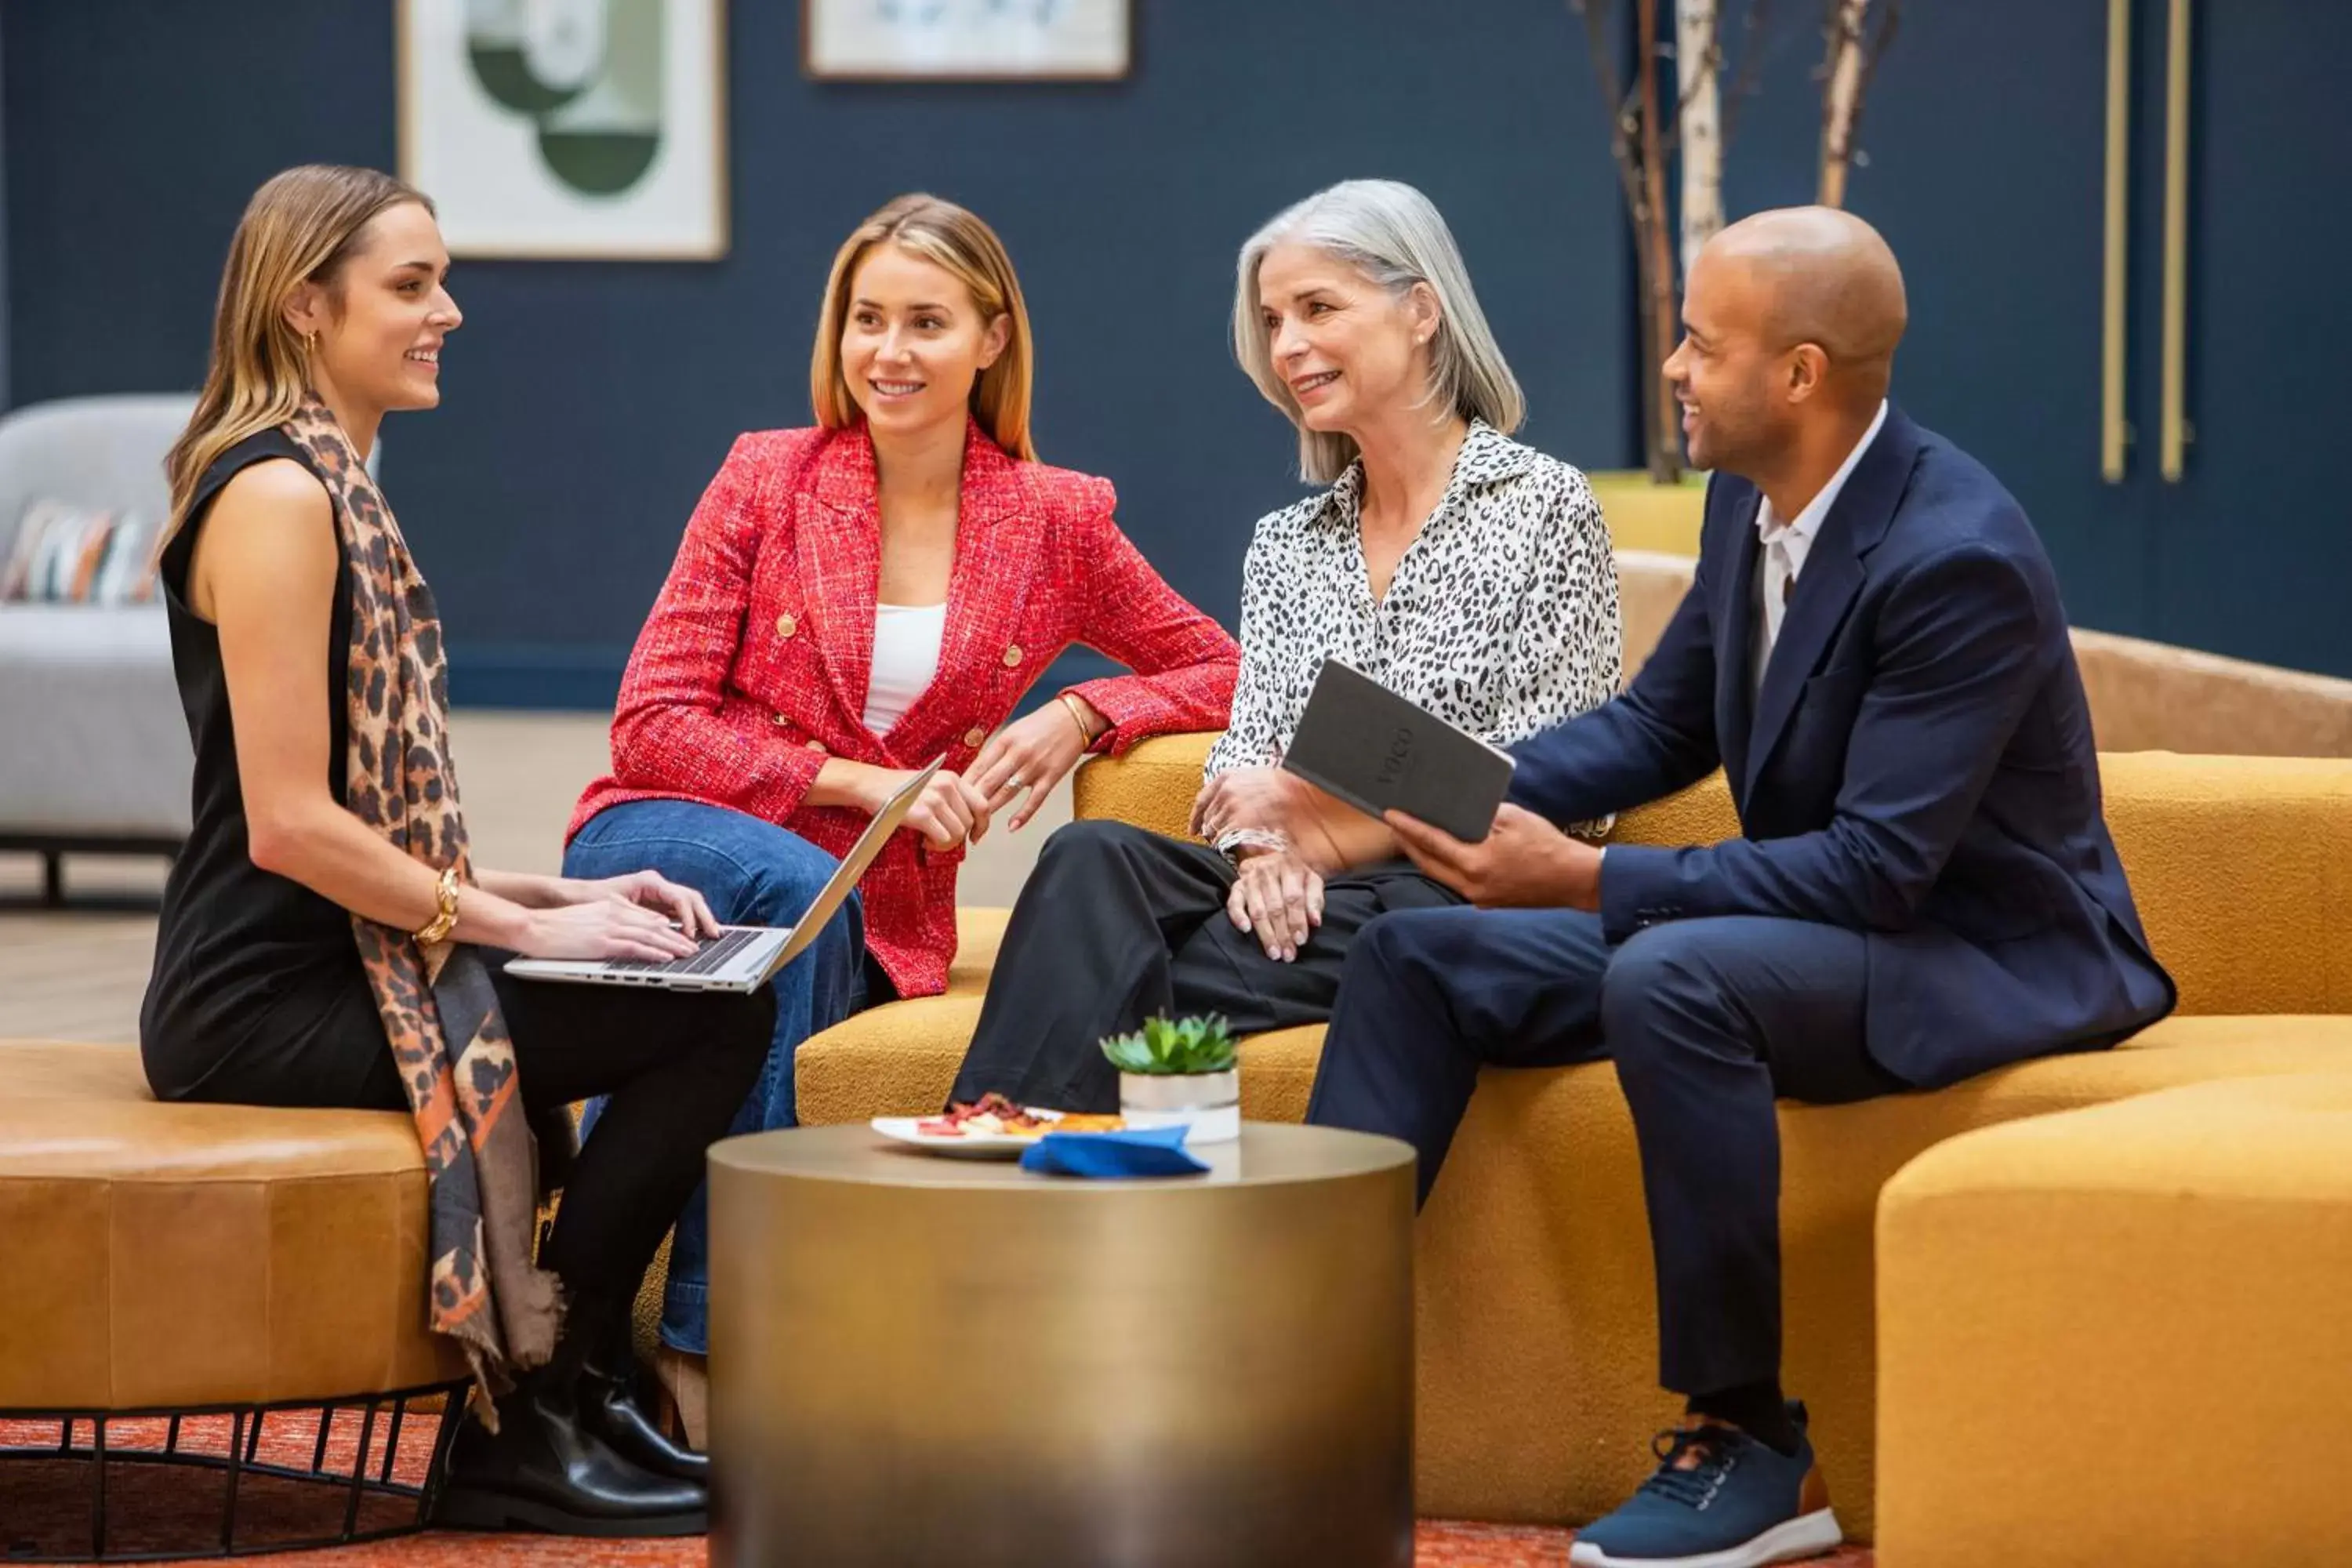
1709	1021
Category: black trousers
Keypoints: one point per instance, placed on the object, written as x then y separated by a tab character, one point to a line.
1707	1022
677	1065
1116	925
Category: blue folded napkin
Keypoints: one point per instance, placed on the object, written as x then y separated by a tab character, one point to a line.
1134	1151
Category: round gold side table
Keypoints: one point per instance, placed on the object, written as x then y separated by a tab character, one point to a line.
920	1361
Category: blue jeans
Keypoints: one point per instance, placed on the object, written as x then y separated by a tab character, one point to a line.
753	873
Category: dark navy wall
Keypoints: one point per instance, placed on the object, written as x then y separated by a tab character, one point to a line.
1985	172
585	404
1986	133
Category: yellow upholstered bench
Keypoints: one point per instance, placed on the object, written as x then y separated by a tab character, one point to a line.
2119	1336
899	1043
1536	1336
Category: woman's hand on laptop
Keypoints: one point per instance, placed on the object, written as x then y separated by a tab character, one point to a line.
602	928
650	890
1278	899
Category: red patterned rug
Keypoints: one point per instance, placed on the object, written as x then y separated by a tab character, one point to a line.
45	1506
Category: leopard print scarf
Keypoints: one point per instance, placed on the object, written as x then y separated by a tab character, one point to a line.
440	1015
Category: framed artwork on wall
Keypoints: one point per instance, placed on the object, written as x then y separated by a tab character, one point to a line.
966	40
568	128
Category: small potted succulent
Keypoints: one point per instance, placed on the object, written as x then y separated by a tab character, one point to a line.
1179	1073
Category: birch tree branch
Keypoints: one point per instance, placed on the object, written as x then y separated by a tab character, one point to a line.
1697	60
1636	134
1882	38
1841	97
1658	258
1615	98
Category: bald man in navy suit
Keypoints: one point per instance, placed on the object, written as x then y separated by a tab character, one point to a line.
1875	653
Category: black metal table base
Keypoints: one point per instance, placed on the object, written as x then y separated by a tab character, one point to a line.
147	1502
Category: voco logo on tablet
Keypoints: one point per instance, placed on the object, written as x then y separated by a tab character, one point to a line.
1400	753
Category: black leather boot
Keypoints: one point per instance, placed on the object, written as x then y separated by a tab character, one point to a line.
608	1398
549	1467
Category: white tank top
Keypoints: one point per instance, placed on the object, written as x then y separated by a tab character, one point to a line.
906	660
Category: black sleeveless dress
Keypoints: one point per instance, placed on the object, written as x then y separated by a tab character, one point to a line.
256	995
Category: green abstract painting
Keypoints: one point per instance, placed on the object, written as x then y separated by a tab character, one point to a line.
566	127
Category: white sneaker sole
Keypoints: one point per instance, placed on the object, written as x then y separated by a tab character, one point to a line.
1808	1535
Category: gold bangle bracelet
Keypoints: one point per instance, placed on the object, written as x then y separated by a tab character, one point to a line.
445	894
1077	717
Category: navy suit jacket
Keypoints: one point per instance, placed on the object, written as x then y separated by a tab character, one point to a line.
1919	766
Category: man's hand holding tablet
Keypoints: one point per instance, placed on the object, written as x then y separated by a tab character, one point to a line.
1524	862
1440	790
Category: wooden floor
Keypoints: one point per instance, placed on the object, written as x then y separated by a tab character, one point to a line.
78	974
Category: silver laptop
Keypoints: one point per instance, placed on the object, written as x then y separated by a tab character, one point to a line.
741	959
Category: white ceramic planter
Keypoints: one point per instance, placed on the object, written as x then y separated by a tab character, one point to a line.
1210	1103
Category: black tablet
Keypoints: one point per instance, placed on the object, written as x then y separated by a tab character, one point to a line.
1380	752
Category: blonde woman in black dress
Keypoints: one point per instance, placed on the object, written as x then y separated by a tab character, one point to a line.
325	939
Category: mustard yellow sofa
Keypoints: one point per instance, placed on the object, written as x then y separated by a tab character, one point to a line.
2118	1335
1536	1338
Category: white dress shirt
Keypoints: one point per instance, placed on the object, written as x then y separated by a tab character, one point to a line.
1786	545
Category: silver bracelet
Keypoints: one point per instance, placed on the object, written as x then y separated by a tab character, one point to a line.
1234	840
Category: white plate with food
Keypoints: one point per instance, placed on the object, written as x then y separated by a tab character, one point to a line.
993	1128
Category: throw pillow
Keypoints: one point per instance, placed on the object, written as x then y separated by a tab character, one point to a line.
65	555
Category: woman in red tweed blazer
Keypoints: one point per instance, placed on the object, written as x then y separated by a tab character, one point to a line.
854	600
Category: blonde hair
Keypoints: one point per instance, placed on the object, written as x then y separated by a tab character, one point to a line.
300	227
1394	236
947	235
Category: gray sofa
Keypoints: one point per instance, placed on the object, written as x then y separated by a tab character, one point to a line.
95	755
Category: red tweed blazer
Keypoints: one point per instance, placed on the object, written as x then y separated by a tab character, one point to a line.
752	668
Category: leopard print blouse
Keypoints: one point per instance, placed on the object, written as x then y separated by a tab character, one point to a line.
1502	617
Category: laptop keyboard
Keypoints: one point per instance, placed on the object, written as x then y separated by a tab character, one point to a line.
708	959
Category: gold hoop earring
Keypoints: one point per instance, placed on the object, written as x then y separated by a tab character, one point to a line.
310	342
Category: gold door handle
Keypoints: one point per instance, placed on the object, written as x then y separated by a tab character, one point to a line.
2113	433
2174	440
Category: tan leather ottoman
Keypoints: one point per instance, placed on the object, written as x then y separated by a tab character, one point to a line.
172	1259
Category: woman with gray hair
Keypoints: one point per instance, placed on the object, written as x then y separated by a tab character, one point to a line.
1446	560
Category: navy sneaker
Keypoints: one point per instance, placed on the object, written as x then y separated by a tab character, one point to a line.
1719	1500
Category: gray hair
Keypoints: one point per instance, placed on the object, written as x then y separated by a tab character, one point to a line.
1392	234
